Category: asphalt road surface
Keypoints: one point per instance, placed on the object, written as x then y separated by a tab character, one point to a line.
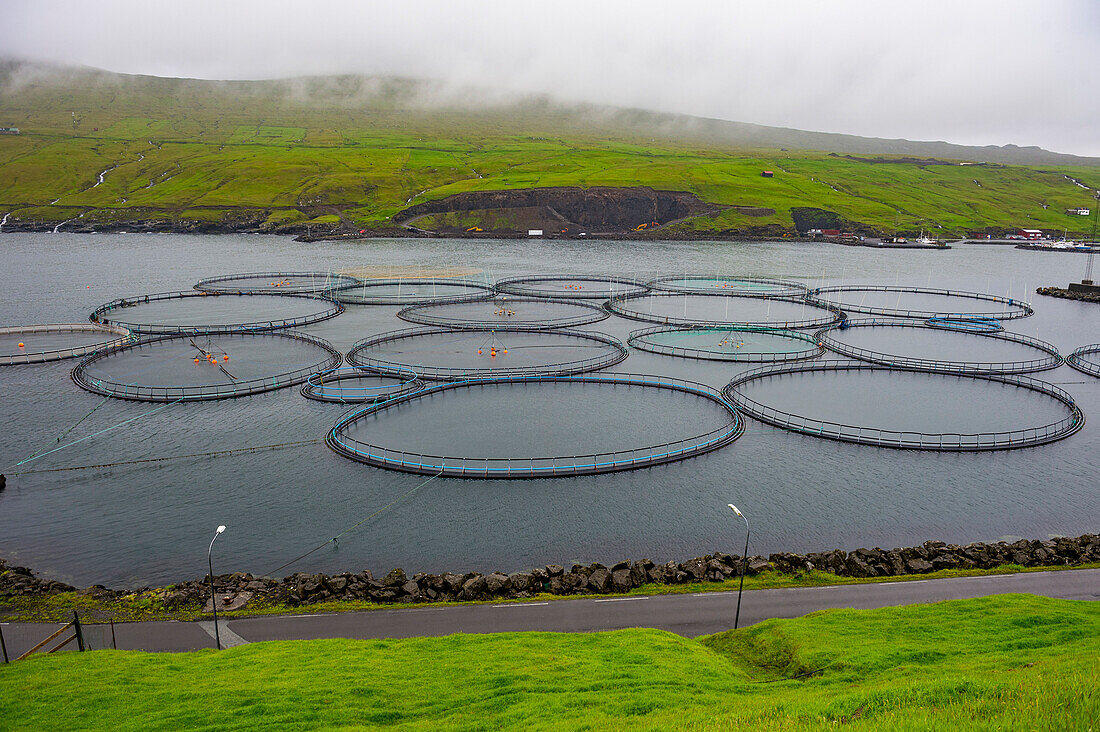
688	615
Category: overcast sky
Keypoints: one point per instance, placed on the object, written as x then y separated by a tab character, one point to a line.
968	71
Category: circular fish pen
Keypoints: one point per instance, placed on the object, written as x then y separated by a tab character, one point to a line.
571	286
204	312
721	311
915	345
717	285
411	292
1086	359
506	311
23	344
862	403
733	343
354	386
281	283
919	302
439	354
462	434
202	367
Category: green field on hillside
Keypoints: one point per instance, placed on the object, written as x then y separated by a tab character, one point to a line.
1003	662
251	153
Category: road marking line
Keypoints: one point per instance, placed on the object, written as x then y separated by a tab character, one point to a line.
229	639
708	594
295	617
621	599
522	604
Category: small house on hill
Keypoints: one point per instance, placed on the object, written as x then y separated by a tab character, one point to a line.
766	174
9	130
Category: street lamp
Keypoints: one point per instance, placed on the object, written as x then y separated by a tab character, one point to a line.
213	595
744	561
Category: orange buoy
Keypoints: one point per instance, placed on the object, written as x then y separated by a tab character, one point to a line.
225	358
196	359
479	351
506	350
20	344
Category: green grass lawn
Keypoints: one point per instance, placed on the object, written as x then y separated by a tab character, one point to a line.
1003	662
172	145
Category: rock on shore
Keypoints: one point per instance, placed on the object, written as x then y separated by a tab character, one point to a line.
397	587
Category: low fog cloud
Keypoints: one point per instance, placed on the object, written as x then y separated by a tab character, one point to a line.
973	72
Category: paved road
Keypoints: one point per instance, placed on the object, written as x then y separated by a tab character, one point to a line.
687	615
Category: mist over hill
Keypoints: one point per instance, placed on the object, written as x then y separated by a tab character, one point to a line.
389	156
419	98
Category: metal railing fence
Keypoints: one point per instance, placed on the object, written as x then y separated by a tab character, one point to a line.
906	439
544	466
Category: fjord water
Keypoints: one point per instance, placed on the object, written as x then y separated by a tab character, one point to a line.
150	522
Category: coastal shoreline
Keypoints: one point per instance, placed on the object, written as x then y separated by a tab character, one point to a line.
237	590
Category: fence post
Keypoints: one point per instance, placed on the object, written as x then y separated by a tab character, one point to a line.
4	646
114	643
79	633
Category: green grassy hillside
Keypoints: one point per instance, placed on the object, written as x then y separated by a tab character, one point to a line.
344	152
1007	662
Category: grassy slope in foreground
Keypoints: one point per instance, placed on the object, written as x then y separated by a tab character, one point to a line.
271	157
1009	662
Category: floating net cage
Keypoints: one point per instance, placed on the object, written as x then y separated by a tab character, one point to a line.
439	354
919	302
732	343
918	346
720	311
204	312
571	286
56	341
718	285
354	386
494	460
202	367
279	283
1060	402
966	325
1086	359
412	291
506	311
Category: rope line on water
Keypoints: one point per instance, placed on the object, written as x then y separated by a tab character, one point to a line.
66	432
212	453
100	432
361	521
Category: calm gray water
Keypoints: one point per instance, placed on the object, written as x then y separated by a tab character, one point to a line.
149	523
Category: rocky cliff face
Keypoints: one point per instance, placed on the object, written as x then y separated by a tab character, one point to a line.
597	209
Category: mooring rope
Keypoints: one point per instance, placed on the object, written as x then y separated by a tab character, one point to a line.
212	453
361	521
66	432
100	432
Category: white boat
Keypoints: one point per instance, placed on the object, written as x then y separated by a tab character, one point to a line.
927	240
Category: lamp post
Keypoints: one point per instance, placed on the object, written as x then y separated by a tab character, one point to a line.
744	561
213	595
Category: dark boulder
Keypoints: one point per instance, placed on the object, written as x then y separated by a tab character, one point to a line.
395	578
473	589
497	583
621	580
600	580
